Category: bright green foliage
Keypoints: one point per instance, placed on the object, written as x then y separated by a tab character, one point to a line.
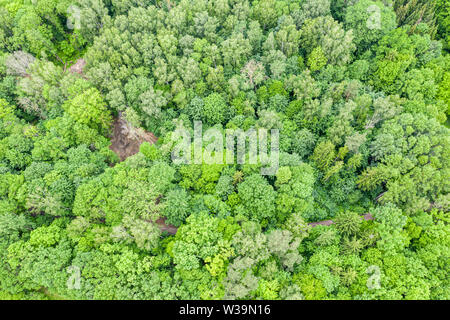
89	108
257	198
356	208
214	109
317	59
41	29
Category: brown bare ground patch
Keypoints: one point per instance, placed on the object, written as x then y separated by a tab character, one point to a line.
163	226
125	141
171	229
78	67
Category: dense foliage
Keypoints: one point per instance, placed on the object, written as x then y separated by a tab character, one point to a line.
359	91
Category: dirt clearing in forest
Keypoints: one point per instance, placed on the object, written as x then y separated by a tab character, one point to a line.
126	140
161	222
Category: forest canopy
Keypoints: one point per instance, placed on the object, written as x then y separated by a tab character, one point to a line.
94	92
